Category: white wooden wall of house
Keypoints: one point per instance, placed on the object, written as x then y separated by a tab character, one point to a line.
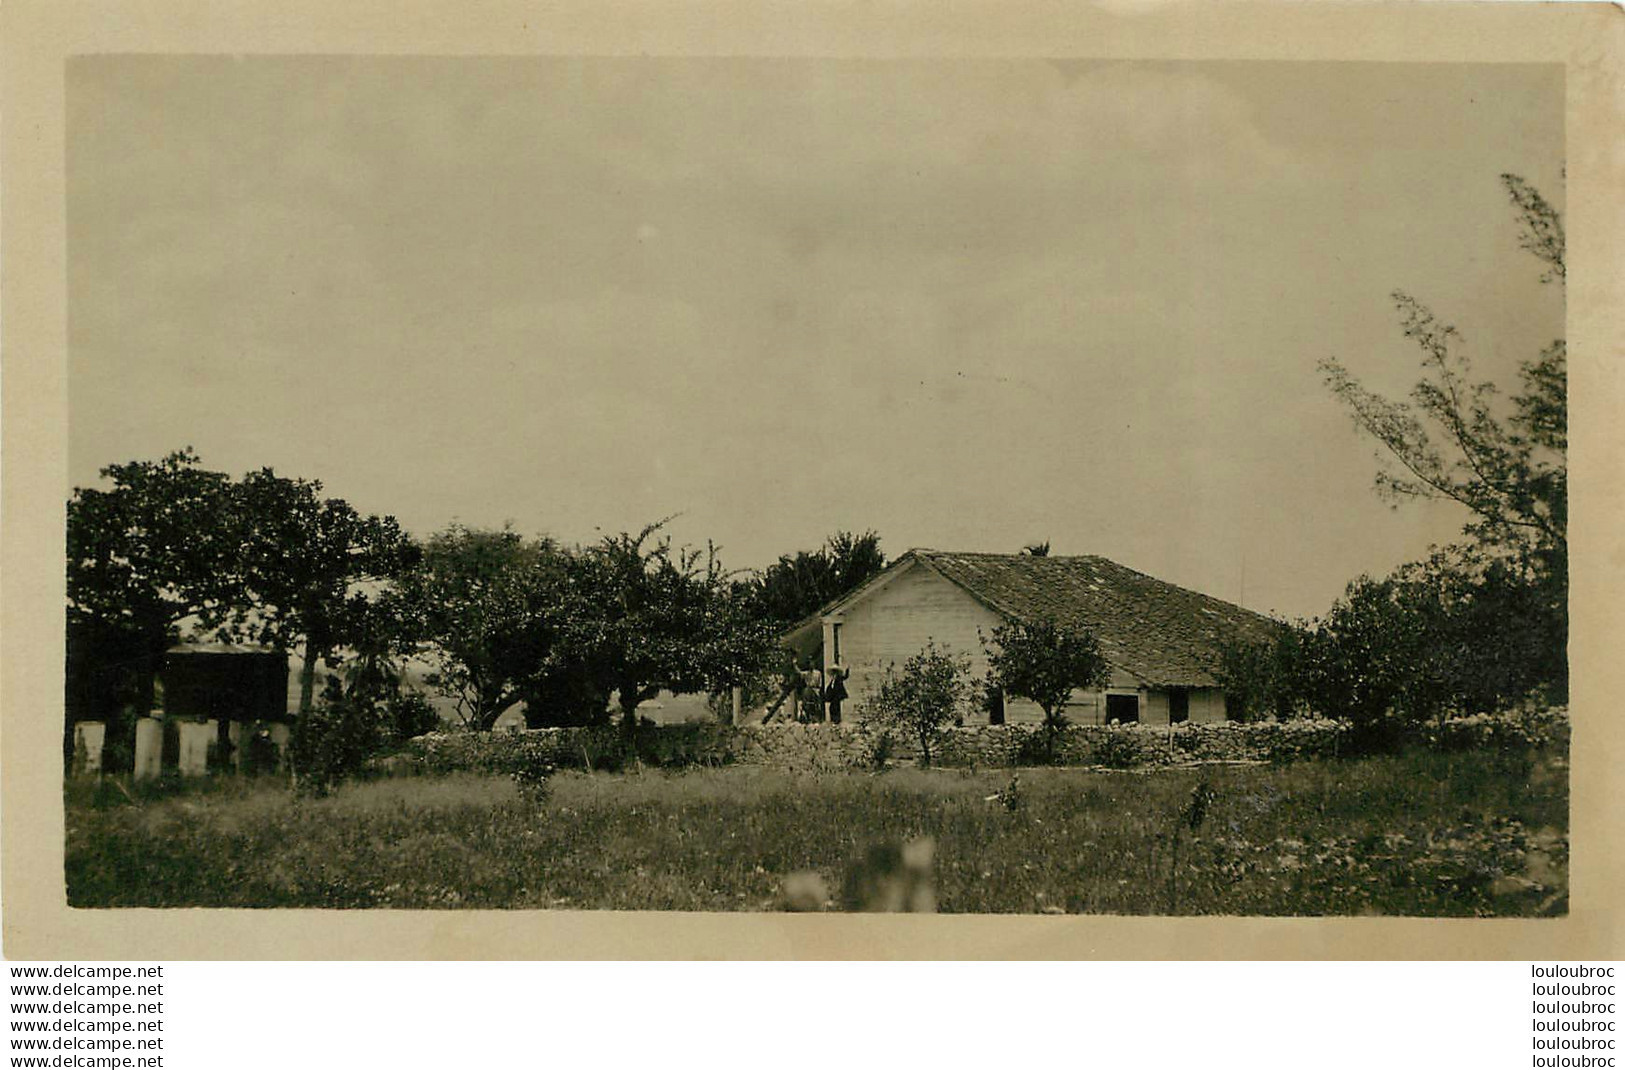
1207	705
895	621
1089	707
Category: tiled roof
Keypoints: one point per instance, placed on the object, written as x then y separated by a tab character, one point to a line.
1160	633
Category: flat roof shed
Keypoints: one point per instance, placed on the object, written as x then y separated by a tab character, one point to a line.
225	682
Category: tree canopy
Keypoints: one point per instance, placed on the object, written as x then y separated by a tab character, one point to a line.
563	629
660	618
490	606
1477	624
306	562
156	547
148	551
166	546
797	586
1044	661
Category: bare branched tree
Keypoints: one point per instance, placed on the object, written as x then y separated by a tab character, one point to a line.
1449	441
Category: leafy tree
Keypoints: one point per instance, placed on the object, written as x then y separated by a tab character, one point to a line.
1441	636
1507	465
647	617
1447	635
1045	661
380	640
1263	678
490	605
154	549
795	587
1373	660
924	697
307	563
1506	621
171	544
383	631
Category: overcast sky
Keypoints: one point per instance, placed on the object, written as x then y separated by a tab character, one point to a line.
969	305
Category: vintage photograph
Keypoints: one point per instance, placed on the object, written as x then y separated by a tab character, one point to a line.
721	484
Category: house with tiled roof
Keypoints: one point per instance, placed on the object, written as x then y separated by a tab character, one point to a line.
1161	641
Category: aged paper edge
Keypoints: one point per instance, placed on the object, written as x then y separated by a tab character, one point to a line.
38	38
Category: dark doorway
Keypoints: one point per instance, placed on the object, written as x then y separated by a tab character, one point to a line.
1179	705
1124	708
995	705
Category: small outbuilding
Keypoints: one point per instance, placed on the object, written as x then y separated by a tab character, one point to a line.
1161	641
225	682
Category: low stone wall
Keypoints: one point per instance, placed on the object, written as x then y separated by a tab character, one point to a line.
818	747
1130	746
788	746
810	746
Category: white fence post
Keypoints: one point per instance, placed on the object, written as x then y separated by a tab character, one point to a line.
237	734
194	756
149	748
280	735
90	736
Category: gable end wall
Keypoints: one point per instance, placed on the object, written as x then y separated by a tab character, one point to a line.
917	606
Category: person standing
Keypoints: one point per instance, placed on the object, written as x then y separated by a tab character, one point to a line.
835	693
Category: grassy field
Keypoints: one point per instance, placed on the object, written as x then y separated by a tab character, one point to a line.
1419	834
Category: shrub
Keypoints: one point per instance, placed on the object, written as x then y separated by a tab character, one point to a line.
1517	729
881	747
409	714
332	742
507	753
1034	748
1263	678
592	747
923	698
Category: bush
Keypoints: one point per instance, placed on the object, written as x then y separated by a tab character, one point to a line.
1035	748
1263	679
508	753
332	742
1518	729
922	699
882	747
409	714
593	747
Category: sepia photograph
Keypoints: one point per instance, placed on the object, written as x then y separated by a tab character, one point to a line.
746	484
